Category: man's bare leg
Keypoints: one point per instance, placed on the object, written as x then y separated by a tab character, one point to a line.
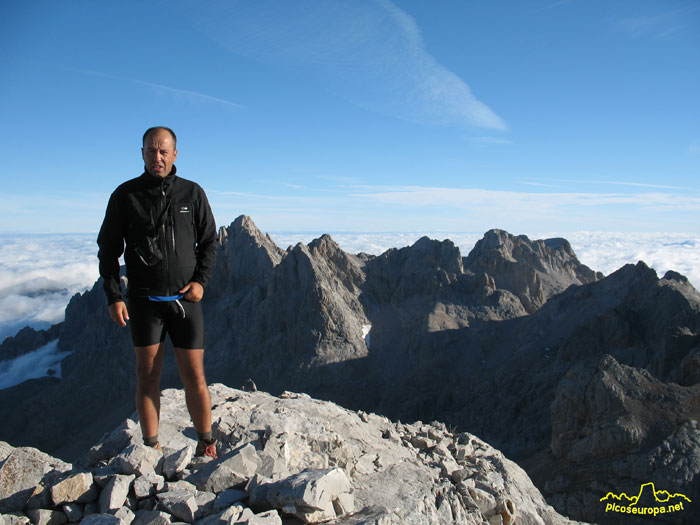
190	364
149	364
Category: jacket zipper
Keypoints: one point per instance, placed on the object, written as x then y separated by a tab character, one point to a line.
166	273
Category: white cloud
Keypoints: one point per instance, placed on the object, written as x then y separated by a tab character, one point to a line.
45	361
371	53
485	209
660	24
175	91
488	141
38	276
40	273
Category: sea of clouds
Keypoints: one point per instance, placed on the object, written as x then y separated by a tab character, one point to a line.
40	273
38	276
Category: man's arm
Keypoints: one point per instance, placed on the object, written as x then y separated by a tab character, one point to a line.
111	243
118	313
206	242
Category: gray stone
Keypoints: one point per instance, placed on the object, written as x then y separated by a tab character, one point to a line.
181	504
150	503
245	515
13	519
74	511
174	486
101	519
205	503
90	508
114	494
78	488
125	515
228	497
40	498
177	462
148	485
151	517
139	459
21	470
227	472
47	517
314	495
102	475
270	517
229	515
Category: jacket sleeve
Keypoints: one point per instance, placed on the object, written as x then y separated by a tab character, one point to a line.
111	246
206	241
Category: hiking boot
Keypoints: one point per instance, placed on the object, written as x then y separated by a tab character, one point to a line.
157	447
206	449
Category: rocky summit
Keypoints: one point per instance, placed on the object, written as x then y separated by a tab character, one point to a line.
289	459
590	382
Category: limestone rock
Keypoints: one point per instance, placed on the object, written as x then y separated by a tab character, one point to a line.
47	517
148	485
102	519
311	495
151	517
21	471
125	515
177	462
139	459
181	504
74	511
270	517
227	472
114	494
78	488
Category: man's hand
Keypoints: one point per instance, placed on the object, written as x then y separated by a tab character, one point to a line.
118	313
193	292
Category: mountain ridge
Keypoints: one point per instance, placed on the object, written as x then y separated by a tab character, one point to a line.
484	352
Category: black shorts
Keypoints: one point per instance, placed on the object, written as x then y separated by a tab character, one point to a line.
151	320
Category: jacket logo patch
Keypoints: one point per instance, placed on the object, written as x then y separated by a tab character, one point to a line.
184	209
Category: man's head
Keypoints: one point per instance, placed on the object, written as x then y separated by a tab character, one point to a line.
159	150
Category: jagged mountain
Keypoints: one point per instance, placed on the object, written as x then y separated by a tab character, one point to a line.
484	343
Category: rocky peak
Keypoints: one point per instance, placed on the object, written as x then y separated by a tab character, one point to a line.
533	270
246	257
289	457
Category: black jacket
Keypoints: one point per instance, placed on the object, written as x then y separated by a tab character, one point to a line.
175	213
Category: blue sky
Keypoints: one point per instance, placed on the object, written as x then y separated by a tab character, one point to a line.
331	116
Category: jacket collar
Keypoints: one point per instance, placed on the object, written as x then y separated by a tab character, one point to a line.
154	180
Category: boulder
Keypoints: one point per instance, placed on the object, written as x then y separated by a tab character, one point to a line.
21	470
78	488
139	459
114	494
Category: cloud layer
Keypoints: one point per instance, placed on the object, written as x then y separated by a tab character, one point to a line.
45	361
40	273
38	276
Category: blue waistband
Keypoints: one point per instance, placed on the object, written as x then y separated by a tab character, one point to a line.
165	298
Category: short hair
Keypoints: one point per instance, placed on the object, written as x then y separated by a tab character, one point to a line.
156	128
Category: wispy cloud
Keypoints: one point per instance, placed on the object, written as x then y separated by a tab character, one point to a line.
660	24
560	183
488	141
371	53
474	197
510	209
175	91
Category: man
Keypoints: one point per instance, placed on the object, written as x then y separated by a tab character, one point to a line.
165	228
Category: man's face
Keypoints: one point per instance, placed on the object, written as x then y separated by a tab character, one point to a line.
159	153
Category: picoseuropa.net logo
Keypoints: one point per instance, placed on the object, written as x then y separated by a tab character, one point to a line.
649	502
